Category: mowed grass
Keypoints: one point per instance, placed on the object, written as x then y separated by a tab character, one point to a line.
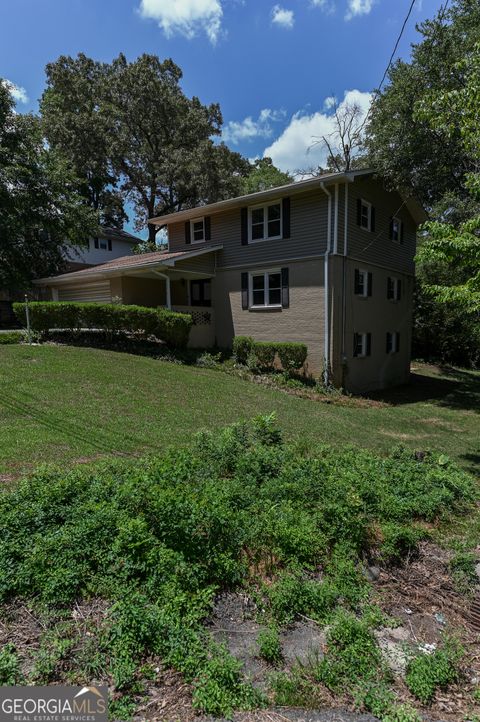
65	404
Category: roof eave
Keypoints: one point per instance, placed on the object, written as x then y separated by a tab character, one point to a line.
253	198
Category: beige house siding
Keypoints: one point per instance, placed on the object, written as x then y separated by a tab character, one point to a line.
201	264
142	291
303	321
376	247
377	315
308	224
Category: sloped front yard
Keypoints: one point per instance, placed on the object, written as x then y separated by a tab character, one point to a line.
65	404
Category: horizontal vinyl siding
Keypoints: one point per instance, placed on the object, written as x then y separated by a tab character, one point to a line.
97	292
376	247
303	321
308	223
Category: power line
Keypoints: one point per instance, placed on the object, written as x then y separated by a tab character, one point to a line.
442	12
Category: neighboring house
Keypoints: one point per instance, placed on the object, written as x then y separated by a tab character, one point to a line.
326	261
111	243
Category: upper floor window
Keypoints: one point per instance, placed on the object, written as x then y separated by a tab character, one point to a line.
362	345
265	222
197	230
104	244
363	283
365	215
396	230
394	288
393	342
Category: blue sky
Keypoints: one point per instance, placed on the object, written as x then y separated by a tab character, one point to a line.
271	65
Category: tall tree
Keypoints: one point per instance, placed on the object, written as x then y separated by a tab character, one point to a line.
404	147
264	175
41	207
160	141
75	126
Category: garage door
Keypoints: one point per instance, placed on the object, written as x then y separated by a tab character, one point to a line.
99	292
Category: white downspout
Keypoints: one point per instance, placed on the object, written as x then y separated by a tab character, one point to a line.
326	341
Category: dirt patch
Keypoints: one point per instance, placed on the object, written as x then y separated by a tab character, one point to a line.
404	437
303	643
422	595
296	715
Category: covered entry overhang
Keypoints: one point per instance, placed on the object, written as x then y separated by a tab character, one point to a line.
177	281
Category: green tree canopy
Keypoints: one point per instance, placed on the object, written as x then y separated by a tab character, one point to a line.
264	175
41	207
405	147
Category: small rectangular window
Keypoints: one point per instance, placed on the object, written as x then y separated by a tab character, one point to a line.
265	222
394	288
396	230
363	283
362	343
393	342
266	289
197	230
103	244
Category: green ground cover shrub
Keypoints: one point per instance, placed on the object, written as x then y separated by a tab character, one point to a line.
168	326
262	354
428	672
158	538
10	337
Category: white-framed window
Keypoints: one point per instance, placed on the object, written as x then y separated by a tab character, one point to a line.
362	344
394	288
197	230
396	230
265	222
363	283
103	244
393	342
265	289
365	215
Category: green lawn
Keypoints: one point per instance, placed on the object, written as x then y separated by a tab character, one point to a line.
60	403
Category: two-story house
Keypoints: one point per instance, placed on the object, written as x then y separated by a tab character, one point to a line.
328	261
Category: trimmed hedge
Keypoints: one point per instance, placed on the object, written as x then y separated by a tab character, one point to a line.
10	337
168	326
292	355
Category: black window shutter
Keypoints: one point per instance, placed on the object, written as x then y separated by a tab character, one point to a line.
399	289
286	217
244	225
285	289
398	341
357	281
355	344
389	288
401	231
95	240
244	290
370	284
369	344
109	241
372	219
187	232
207	225
391	229
359	211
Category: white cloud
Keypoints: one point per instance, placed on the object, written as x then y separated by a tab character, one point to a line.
294	149
248	129
330	102
281	16
186	17
327	6
18	94
359	7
